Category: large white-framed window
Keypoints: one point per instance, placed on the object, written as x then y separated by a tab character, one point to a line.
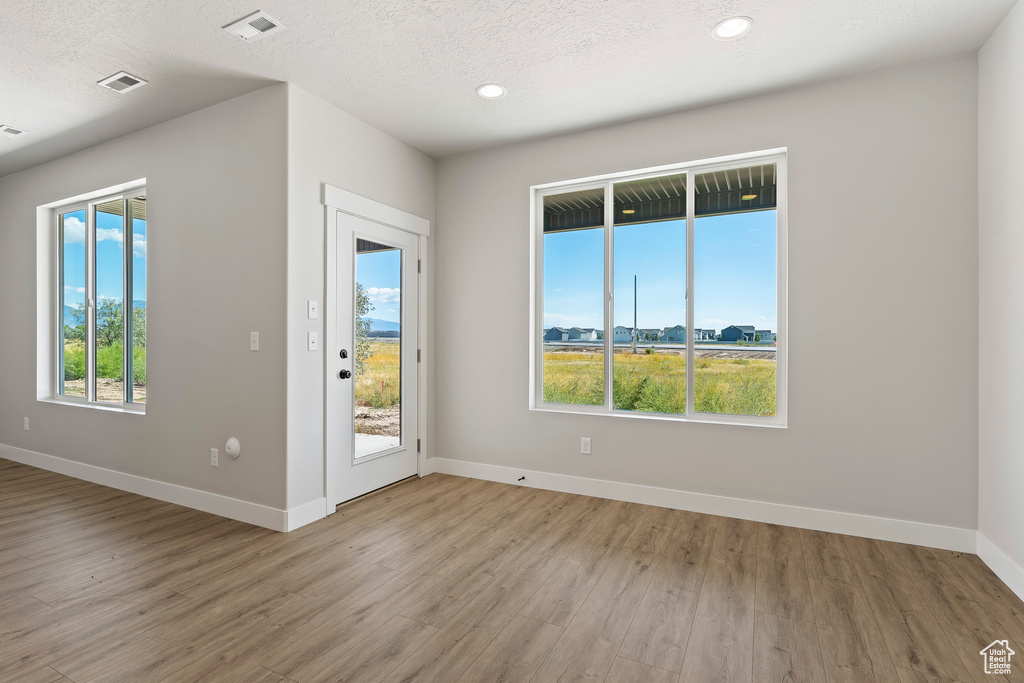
661	293
98	284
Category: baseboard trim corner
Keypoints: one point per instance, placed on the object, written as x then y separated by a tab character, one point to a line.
304	514
880	528
1011	573
224	506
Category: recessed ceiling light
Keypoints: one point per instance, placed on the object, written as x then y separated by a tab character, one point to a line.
11	131
490	91
256	25
733	27
122	81
748	197
629	211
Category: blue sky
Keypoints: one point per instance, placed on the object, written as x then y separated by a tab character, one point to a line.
734	276
380	273
109	257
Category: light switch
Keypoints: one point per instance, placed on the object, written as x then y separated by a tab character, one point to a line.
312	341
254	341
312	310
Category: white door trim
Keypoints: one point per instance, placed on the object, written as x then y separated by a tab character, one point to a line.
357	205
334	200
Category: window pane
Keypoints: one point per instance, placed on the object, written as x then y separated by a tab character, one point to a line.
735	285
138	209
72	258
649	372
573	305
378	368
110	302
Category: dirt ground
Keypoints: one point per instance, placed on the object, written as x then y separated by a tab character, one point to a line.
107	390
382	421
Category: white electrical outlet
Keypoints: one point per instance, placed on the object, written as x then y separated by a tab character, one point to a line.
213	458
254	341
312	341
26	424
585	445
312	309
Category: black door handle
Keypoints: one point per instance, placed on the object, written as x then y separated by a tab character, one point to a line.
345	374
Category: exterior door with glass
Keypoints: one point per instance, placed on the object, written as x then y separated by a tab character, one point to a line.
372	366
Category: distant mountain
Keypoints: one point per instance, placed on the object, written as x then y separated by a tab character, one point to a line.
71	316
377	325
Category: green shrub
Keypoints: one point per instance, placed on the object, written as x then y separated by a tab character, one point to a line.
139	364
110	361
74	361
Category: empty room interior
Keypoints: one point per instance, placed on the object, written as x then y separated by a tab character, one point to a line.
514	341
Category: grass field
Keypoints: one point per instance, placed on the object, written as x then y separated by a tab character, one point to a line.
656	382
379	385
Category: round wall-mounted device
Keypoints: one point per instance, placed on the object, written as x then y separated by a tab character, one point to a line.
232	447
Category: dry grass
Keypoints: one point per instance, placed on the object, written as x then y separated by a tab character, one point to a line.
656	383
380	383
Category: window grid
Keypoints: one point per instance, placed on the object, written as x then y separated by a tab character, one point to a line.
607	183
91	298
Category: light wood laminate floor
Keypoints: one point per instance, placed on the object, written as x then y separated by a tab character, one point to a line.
458	580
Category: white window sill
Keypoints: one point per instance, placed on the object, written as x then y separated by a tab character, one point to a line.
127	408
704	418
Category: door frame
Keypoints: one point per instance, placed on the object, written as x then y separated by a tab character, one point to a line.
337	200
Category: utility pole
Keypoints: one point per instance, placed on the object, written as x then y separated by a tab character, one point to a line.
634	314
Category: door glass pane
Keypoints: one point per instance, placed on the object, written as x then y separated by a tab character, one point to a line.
72	258
735	291
378	353
110	302
573	305
649	373
138	321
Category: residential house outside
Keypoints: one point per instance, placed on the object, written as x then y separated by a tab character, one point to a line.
582	334
735	333
648	334
556	334
765	335
622	334
676	333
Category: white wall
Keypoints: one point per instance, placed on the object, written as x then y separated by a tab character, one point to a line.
1001	320
326	145
882	239
217	232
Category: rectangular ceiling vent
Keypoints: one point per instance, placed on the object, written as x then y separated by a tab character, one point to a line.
122	81
255	26
10	131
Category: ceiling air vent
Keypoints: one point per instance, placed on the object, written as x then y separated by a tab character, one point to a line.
123	81
11	131
254	26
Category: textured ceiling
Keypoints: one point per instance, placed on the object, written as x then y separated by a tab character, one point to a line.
409	67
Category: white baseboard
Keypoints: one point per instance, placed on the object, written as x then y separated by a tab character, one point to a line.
426	467
232	508
304	514
1005	568
881	528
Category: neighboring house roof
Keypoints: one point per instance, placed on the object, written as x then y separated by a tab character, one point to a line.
584	329
745	328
